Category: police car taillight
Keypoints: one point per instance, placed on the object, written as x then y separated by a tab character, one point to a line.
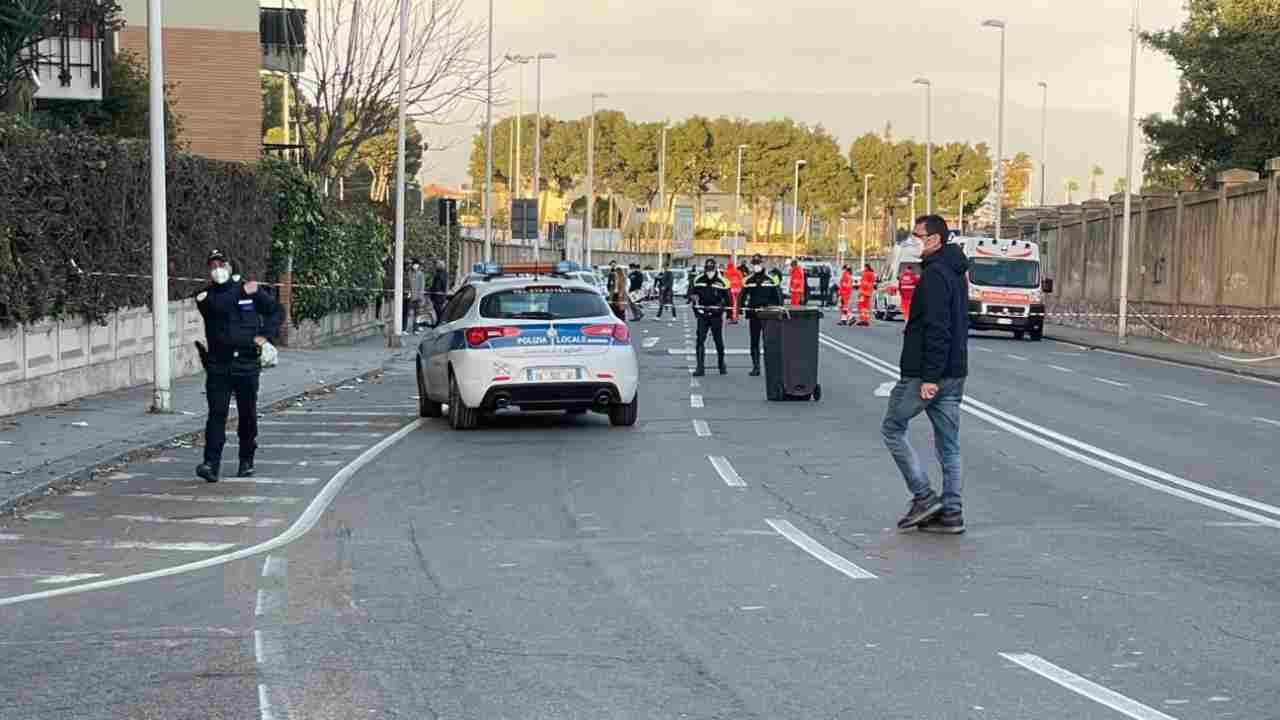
617	331
478	336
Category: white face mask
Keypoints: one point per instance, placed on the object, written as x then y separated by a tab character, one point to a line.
757	268
220	275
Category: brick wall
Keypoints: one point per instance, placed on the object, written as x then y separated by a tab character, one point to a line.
218	90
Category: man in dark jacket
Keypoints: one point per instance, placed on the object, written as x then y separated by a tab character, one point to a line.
824	283
709	295
759	290
666	293
439	288
934	364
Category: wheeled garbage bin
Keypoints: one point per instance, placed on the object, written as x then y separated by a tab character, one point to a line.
791	353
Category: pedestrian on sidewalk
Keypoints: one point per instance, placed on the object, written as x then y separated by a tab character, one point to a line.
760	290
238	319
709	296
846	296
865	288
439	289
666	293
934	364
417	294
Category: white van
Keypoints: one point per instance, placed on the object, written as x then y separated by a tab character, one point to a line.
886	302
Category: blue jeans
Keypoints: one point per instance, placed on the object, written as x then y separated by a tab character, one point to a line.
944	414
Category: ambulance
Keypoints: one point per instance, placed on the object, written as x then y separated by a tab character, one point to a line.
1006	287
886	301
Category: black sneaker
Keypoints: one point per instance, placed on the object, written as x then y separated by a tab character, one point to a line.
246	469
947	523
921	509
208	472
700	372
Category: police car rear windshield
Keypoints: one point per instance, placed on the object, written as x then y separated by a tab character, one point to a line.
544	303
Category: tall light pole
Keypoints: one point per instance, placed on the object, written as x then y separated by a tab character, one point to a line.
961	228
397	308
161	397
737	205
914	187
999	172
1123	324
795	211
662	193
928	146
591	177
866	216
518	60
537	152
1044	124
488	150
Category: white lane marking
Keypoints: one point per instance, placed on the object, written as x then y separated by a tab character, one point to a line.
693	383
695	401
1183	400
269	602
307	520
1268	421
1228	373
701	429
343	412
693	351
299	463
650	342
44	515
305	481
1112	382
1059	368
979	348
275	566
81	493
227	499
818	550
885	389
63	579
218	520
726	471
327	423
319	434
1014	357
302	446
1088	688
125	544
265	706
1066	354
1009	422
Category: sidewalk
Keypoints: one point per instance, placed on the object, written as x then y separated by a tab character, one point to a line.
1168	351
56	445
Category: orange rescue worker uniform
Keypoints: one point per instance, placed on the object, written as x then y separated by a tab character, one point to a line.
797	284
845	292
907	282
734	277
865	288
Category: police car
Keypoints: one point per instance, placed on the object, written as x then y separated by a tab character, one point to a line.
531	337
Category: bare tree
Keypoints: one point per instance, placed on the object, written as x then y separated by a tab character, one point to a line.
351	85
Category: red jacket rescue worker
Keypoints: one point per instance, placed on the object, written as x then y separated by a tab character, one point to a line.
865	288
734	277
845	291
797	284
907	282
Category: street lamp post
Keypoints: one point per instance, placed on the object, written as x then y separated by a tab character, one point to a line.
999	172
518	60
914	187
537	152
162	398
795	211
397	307
737	205
928	146
961	228
662	196
1122	325
1044	124
865	217
591	178
488	151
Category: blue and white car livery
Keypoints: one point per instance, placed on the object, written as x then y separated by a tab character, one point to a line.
528	337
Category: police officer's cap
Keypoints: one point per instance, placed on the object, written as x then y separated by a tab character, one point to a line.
216	255
757	259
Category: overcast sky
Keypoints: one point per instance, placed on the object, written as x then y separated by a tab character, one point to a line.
686	47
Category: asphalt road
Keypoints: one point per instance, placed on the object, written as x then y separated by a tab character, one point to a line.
726	558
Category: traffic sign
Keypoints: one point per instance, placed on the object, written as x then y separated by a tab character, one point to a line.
524	219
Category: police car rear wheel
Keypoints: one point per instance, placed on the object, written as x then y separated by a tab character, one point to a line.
461	417
624	415
426	408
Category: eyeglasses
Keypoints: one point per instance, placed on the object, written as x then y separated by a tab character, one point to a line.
920	236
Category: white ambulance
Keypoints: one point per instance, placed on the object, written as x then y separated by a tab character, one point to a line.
886	302
1006	287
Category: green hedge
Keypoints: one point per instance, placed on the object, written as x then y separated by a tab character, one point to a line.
75	209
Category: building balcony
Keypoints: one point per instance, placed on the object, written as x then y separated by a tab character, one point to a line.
283	34
70	65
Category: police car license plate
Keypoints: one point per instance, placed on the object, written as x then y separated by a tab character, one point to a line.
1004	321
552	374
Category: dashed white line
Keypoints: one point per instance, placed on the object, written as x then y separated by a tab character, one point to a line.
818	550
726	471
304	481
701	429
344	412
301	446
228	499
322	423
650	342
1112	382
693	383
695	401
218	521
299	463
1059	368
1014	357
126	544
63	579
1268	421
1185	401
1087	688
982	349
320	434
44	515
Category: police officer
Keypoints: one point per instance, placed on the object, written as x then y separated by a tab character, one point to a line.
238	319
709	296
761	289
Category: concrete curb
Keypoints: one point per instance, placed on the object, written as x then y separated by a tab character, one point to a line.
1203	365
82	468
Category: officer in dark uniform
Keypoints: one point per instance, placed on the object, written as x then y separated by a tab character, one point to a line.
238	319
709	295
762	289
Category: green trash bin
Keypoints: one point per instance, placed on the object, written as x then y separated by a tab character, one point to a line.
791	353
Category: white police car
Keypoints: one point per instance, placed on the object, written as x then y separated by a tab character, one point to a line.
530	337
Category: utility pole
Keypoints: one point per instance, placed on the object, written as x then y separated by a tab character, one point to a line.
999	170
397	326
537	153
662	193
737	205
795	212
162	397
1044	148
488	150
591	178
928	146
866	216
1123	324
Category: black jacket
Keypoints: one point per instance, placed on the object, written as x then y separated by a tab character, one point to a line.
635	280
761	290
232	318
709	296
936	343
439	284
666	285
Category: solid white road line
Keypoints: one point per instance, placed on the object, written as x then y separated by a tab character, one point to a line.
726	471
331	423
1014	357
982	349
227	499
1087	688
701	429
650	342
344	412
1059	368
301	446
1175	398
307	520
1268	421
302	481
269	602
319	434
695	401
125	544
693	351
1112	382
219	520
818	550
1046	438
299	463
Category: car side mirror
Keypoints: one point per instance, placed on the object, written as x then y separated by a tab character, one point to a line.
1047	285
